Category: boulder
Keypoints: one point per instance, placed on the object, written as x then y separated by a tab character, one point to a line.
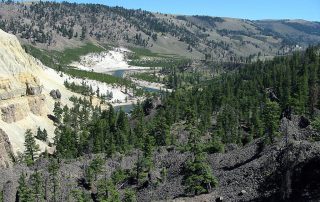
58	93
55	94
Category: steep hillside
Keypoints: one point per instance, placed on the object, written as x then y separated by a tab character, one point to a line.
57	26
24	94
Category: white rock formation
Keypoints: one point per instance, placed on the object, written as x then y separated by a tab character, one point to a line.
24	94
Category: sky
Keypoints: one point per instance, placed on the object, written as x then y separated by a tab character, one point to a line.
246	9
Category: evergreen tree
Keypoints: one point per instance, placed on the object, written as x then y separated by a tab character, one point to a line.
271	120
53	169
31	148
107	191
24	192
57	111
94	169
42	135
37	186
129	196
198	175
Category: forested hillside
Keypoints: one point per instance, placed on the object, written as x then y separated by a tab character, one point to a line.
57	26
239	119
188	125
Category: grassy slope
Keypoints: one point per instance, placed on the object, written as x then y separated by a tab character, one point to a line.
145	58
54	58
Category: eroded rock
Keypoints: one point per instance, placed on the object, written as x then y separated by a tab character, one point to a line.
37	105
13	112
5	150
33	89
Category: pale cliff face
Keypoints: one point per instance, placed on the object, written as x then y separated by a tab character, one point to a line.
24	94
13	59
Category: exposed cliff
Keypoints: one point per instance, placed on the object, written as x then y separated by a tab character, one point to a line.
24	95
5	150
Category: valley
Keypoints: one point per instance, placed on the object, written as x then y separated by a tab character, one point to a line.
108	104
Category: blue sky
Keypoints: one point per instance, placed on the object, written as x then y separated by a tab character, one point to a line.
248	9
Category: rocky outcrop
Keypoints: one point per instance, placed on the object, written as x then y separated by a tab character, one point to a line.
14	112
33	90
24	86
37	105
5	150
17	109
55	94
9	192
20	88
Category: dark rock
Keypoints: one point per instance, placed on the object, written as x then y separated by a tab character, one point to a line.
283	171
304	122
53	118
9	195
231	147
53	94
58	94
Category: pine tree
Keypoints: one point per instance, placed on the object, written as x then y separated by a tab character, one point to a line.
53	169
107	191
129	196
37	186
42	135
198	174
24	192
271	120
94	169
31	148
67	144
57	111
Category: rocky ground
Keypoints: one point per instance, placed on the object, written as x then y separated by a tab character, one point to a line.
288	170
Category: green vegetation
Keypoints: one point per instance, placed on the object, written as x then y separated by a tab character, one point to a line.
105	78
198	175
137	53
316	123
73	54
42	134
32	149
145	58
58	60
82	89
246	104
24	191
146	76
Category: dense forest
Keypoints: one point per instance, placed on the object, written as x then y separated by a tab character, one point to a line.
235	107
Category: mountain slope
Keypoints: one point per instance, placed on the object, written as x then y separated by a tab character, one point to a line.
24	93
59	25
